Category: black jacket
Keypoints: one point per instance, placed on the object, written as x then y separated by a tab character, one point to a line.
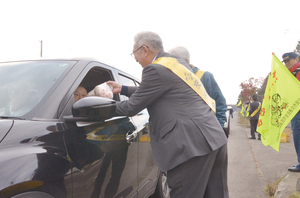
253	106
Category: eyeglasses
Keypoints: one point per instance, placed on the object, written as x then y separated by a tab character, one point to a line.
132	54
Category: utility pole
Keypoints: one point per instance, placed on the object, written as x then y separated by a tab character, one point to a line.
41	48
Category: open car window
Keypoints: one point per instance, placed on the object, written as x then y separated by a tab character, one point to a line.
97	76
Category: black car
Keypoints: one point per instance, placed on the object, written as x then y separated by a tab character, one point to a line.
51	146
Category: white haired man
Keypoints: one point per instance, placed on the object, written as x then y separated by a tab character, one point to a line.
208	81
186	139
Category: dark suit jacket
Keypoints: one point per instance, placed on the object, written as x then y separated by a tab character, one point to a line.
181	125
253	106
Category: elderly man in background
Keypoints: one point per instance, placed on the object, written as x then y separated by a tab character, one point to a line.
187	141
208	81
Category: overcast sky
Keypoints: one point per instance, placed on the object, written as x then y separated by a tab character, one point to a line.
232	39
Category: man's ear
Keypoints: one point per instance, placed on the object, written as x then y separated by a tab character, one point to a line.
146	50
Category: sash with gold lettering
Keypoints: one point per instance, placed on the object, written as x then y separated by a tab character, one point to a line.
188	77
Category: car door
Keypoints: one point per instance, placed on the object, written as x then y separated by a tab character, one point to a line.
104	164
147	169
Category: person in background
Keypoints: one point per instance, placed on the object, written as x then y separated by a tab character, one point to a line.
186	138
254	112
291	61
231	112
79	93
209	83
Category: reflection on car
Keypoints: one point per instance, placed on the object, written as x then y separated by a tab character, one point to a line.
51	146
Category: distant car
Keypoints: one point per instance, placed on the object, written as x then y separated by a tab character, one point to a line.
227	123
51	146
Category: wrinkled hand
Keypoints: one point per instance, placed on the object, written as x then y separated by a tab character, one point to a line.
116	87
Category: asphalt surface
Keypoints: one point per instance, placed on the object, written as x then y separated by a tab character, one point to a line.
252	166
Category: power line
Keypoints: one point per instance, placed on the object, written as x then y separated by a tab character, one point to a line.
41	53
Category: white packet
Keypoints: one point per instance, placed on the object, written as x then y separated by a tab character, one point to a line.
102	90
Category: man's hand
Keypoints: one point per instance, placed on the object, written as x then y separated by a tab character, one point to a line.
116	87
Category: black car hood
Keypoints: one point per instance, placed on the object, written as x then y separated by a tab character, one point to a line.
5	126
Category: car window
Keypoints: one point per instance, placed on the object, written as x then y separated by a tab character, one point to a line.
96	76
128	82
93	74
24	84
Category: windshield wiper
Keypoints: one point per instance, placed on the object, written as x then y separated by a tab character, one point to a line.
10	117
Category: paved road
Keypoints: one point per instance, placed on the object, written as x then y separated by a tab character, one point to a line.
252	165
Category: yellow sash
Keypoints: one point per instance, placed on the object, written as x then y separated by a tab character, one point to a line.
254	112
188	77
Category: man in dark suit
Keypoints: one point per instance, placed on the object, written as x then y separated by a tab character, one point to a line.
209	82
253	116
187	141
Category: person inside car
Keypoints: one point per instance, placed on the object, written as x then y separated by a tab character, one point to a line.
79	93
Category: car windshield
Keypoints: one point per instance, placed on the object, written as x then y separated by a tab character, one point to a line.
24	84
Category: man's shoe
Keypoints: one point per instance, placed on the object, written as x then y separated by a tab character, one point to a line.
293	169
258	139
252	138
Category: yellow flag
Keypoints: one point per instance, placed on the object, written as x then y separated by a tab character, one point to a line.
242	111
280	104
239	103
248	109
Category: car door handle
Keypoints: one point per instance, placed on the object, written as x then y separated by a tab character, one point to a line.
130	136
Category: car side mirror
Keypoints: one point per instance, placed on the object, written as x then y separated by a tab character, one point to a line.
94	108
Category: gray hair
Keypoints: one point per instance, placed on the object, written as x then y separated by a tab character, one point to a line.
181	52
150	39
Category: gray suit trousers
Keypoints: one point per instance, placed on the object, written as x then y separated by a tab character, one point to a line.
203	176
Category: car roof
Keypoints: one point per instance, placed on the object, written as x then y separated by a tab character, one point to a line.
79	59
88	59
